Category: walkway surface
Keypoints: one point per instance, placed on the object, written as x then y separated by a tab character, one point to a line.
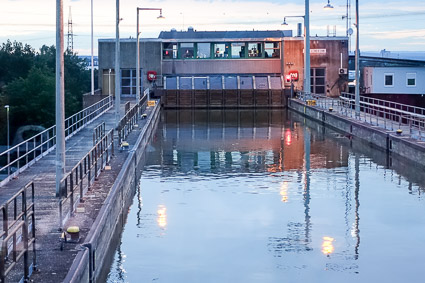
52	262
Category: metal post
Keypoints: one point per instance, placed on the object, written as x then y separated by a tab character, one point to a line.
92	65
8	139
307	87
117	67
138	61
357	89
60	98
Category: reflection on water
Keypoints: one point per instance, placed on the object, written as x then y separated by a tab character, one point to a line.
266	196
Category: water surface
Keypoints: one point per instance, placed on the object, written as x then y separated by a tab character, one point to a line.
267	196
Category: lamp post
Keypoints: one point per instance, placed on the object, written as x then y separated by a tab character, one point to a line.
60	99
138	50
7	119
92	67
357	89
117	65
306	49
8	139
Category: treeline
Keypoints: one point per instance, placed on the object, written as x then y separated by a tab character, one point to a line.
27	85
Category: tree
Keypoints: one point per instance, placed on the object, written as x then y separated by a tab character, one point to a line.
27	84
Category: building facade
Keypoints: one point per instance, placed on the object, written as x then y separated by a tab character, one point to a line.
236	60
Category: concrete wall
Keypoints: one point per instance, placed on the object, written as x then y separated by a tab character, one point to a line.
389	141
150	58
331	60
103	229
374	80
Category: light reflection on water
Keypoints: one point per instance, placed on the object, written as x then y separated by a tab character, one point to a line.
267	196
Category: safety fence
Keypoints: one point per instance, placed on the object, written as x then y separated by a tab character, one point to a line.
132	115
75	183
19	157
18	252
99	132
377	112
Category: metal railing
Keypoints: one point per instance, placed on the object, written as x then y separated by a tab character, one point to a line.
127	123
98	132
19	157
75	183
385	114
18	236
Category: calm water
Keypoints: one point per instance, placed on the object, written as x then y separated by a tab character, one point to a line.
245	196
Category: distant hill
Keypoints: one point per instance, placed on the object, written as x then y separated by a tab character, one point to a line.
410	55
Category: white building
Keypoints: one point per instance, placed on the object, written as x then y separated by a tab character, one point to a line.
394	80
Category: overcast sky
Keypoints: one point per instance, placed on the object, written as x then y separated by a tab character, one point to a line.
391	25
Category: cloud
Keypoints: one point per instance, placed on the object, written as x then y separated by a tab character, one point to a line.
400	34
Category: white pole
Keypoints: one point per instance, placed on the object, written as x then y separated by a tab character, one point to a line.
117	67
92	65
60	98
307	87
138	61
357	89
8	132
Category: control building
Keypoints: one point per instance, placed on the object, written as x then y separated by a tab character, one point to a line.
225	68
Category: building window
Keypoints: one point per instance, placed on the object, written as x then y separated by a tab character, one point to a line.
255	49
128	82
187	50
169	51
318	80
272	50
411	79
389	80
238	50
203	50
221	50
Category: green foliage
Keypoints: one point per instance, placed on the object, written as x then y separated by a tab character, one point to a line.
27	84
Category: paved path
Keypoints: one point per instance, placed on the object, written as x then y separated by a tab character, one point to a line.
52	263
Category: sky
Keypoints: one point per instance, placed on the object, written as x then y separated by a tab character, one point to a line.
390	25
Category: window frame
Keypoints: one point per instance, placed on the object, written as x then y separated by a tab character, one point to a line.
410	76
385	79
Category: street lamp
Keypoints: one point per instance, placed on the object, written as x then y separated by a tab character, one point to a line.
328	6
138	49
306	18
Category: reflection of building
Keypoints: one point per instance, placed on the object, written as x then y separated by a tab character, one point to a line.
238	61
242	140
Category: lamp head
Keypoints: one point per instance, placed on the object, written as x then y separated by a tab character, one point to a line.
160	17
284	22
7	107
328	6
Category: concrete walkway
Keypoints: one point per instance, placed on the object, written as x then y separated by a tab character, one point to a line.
52	263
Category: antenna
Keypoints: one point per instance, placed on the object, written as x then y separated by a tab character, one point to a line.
70	45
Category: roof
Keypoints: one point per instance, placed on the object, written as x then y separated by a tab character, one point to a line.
368	61
217	35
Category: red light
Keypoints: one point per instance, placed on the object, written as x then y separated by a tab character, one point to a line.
288	78
288	137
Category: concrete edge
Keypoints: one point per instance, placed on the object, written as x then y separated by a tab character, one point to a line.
404	147
109	214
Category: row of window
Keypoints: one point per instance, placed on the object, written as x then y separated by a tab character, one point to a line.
410	79
230	50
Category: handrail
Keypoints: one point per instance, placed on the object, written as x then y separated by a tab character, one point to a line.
18	234
382	113
19	157
127	123
83	174
98	132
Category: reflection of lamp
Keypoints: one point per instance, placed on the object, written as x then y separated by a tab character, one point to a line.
162	216
327	245
284	191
